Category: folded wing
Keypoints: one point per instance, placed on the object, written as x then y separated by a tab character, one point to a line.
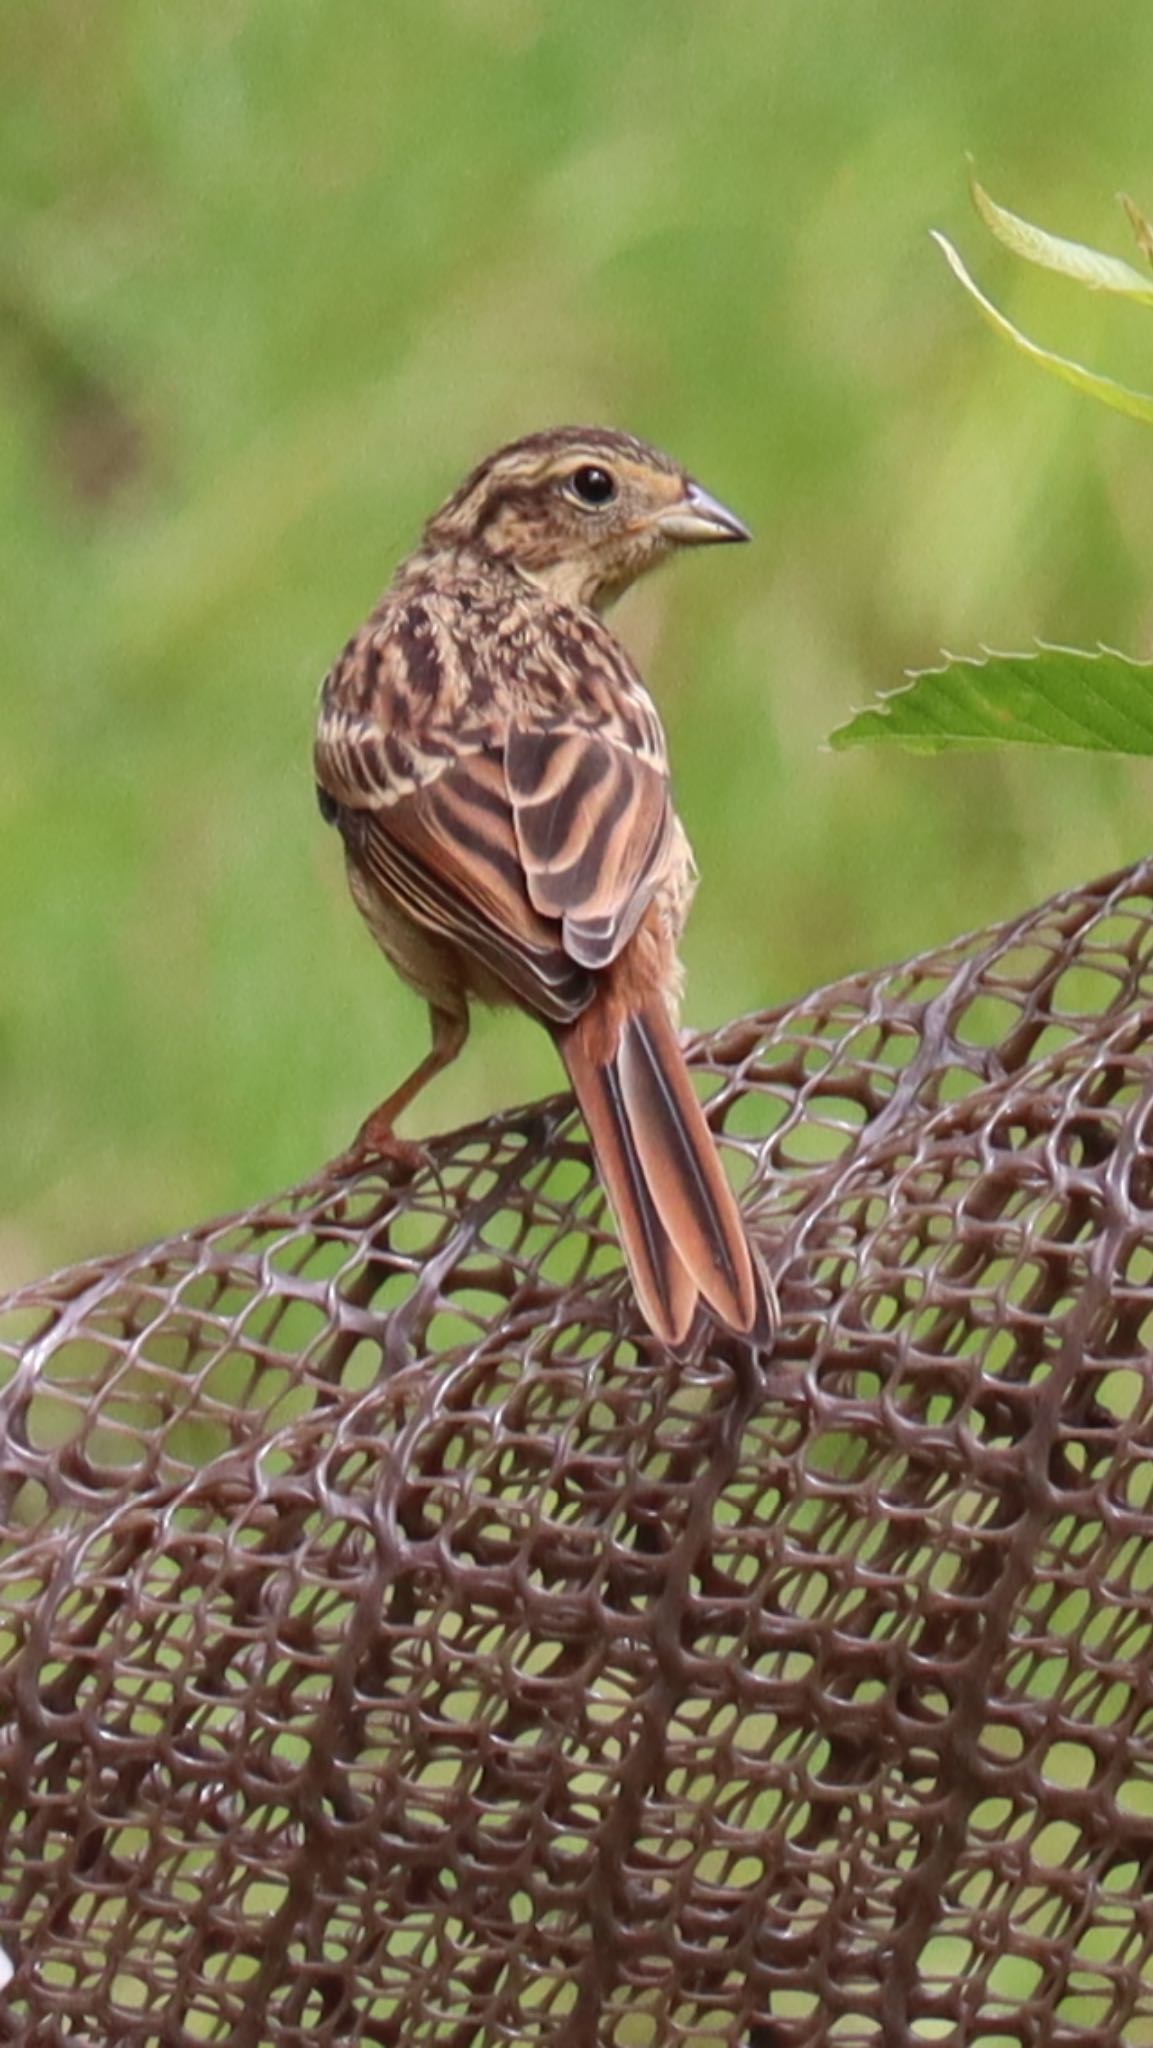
538	853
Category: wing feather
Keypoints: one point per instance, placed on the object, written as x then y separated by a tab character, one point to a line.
448	856
593	823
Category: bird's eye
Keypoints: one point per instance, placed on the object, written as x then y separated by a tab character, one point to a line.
593	485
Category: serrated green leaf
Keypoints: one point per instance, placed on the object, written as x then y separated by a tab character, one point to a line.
1137	404
1099	702
1076	260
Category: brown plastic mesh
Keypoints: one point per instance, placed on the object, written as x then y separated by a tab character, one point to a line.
399	1649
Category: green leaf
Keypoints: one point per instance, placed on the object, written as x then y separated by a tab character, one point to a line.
1090	267
1101	702
1137	404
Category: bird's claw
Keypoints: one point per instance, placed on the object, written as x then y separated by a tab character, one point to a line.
376	1144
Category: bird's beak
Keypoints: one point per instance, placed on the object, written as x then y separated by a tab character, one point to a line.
700	517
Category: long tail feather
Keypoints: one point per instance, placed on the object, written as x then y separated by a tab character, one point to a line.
664	1287
678	1218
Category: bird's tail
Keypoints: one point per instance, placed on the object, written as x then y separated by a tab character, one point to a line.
678	1218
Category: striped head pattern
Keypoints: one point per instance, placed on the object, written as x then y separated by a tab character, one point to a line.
580	511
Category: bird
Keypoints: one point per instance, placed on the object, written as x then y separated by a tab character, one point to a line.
499	776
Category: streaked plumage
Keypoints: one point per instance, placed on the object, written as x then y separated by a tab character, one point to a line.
499	776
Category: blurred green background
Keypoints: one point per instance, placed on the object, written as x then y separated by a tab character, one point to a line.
273	276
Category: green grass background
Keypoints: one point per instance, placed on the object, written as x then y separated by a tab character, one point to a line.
272	275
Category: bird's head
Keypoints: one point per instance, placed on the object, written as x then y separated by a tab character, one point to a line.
581	512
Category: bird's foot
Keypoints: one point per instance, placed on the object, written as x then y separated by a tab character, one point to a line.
377	1144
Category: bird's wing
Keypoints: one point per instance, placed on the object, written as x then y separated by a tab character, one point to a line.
537	843
447	855
592	823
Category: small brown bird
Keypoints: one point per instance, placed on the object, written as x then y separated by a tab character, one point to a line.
499	776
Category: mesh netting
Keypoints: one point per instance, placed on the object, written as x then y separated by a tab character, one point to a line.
398	1648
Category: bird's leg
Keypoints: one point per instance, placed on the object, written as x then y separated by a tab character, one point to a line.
376	1134
376	1138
